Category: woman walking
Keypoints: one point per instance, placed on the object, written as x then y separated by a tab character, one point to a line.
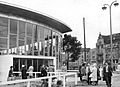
93	75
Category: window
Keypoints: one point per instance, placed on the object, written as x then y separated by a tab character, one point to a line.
3	22
46	32
21	30
3	31
29	29
3	35
13	40
13	26
3	43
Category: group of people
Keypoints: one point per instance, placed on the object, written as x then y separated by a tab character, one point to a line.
92	73
24	75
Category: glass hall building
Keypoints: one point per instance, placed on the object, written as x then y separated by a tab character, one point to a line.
28	37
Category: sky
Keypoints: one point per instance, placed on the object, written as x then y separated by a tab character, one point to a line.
71	12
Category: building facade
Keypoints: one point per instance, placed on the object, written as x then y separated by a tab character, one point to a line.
104	48
31	37
82	58
93	56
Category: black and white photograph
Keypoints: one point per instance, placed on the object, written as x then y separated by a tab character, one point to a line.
59	43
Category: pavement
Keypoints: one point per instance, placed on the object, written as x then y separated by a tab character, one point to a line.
115	82
70	82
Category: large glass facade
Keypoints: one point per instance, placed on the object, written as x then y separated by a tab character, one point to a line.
25	38
3	35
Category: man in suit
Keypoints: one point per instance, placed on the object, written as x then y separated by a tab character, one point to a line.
107	72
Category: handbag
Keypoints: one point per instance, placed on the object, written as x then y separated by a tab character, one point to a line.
84	78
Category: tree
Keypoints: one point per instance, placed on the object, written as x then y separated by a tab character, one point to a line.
72	47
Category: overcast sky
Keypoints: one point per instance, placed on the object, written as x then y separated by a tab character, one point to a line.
71	12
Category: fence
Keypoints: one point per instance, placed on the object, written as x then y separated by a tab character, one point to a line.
35	82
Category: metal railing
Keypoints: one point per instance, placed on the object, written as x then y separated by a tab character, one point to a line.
28	82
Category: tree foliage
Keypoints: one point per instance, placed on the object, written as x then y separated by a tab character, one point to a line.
71	46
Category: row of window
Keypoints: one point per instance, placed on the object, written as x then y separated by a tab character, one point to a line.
36	63
23	38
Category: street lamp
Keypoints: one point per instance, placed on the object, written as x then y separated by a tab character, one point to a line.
104	8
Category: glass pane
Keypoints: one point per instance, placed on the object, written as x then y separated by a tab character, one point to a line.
3	21
57	43
16	64
29	29
50	43
13	26
54	42
40	63
35	65
29	63
41	41
21	50
42	48
29	46
36	45
3	31
46	32
35	34
29	40
41	33
21	43
21	30
13	41
3	43
22	62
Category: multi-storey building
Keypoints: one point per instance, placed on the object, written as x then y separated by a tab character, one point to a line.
28	37
93	57
82	58
104	48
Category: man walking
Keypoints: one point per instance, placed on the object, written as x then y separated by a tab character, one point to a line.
107	72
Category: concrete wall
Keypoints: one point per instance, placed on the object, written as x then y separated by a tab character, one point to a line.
5	62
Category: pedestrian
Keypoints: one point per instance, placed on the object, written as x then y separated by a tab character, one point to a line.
24	72
101	72
98	75
104	65
88	72
107	71
10	74
93	75
59	83
30	70
51	68
64	68
43	71
43	74
79	74
83	74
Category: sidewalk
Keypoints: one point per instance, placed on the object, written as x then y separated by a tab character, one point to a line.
115	82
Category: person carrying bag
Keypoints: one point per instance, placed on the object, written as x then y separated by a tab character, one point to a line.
83	74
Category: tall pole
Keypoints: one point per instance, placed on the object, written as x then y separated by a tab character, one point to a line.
84	40
111	57
111	42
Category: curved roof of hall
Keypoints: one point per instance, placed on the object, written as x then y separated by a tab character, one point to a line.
10	9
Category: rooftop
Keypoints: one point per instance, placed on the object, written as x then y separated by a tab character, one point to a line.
115	38
18	11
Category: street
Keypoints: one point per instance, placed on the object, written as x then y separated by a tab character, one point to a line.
115	82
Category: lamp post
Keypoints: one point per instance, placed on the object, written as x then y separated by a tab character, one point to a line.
105	7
